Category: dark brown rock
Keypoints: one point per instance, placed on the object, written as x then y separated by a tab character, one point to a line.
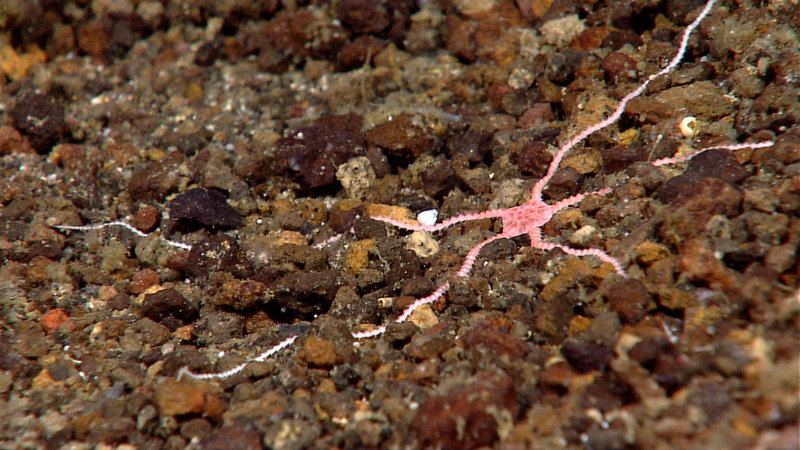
169	303
711	164
206	207
586	356
217	253
305	294
41	118
534	159
313	153
473	144
620	158
363	16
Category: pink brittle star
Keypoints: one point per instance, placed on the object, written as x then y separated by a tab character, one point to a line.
527	218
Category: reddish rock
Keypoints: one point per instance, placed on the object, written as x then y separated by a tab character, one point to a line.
618	66
700	263
53	319
467	417
300	34
402	137
142	280
147	218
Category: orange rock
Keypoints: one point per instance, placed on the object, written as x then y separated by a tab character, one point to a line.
53	319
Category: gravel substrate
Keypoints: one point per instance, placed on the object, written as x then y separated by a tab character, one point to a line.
241	147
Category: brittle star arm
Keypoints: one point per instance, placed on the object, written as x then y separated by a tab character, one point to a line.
567	146
492	213
679	159
537	242
466	268
230	372
569	201
118	223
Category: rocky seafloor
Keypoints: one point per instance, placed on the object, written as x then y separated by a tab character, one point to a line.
251	133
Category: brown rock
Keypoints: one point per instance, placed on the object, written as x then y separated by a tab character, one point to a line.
12	141
618	66
649	252
700	263
237	437
428	345
470	416
93	38
357	255
496	341
630	299
169	303
237	294
317	352
174	398
586	356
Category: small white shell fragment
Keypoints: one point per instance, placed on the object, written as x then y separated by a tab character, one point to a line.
428	217
689	127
